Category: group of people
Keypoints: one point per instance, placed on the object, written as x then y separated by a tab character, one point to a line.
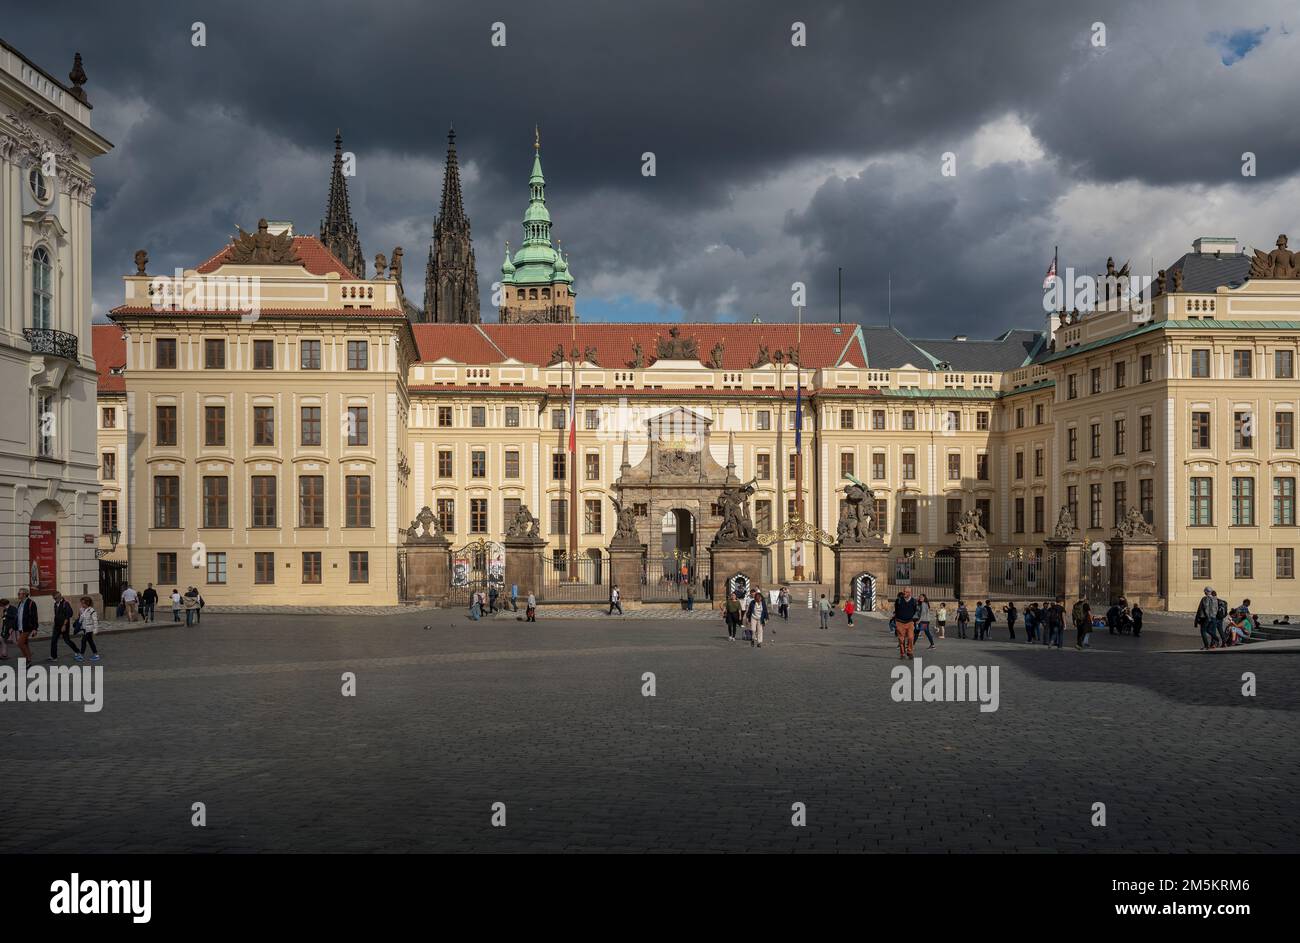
1220	626
750	610
481	603
20	621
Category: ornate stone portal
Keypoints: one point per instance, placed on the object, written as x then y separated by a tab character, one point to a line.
428	564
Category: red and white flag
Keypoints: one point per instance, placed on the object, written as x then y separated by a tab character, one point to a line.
1051	274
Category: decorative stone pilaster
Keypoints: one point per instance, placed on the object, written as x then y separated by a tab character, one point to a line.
428	556
1134	561
853	560
1069	551
728	561
972	571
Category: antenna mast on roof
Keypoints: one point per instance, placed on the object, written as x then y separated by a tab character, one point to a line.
839	295
889	288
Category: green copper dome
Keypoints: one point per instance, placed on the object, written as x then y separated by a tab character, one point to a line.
536	262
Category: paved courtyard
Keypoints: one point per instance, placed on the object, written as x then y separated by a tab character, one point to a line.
245	715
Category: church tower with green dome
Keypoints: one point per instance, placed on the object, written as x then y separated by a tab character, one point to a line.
536	284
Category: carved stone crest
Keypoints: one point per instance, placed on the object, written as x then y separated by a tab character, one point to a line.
1134	526
676	347
524	525
680	462
262	248
424	529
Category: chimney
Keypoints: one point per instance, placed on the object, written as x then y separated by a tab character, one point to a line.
959	337
1212	245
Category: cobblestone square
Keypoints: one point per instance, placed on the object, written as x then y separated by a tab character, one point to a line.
245	714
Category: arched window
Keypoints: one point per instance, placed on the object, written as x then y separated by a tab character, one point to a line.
520	294
532	294
546	293
42	297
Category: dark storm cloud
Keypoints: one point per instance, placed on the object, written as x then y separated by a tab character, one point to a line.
213	136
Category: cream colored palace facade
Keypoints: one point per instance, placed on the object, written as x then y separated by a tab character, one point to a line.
279	460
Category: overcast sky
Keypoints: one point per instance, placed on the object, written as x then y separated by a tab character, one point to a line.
775	163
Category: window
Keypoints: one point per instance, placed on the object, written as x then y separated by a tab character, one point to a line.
358	359
982	420
763	516
1038	462
1072	500
1243	563
358	566
985	508
1284	430
1095	379
909	466
263	500
444	463
1284	502
1144	433
557	419
763	420
263	355
1243	426
1018	514
166	568
1072	387
40	189
982	466
444	417
477	463
591	419
357	501
791	467
1039	413
1146	368
309	357
954	466
1071	444
558	466
263	567
510	507
1094	440
311	566
1120	437
1285	557
592	466
1284	364
878	465
310	425
512	417
447	515
214	353
1200	430
1040	514
952	423
909	419
846	464
907	519
264	425
1147	499
1020	417
1121	375
108	466
1020	465
763	466
1200	563
107	516
478	416
165	353
951	515
796	419
1200	363
216	501
591	516
512	464
42	294
165	425
311	501
1094	506
1241	364
877	419
478	515
166	501
108	417
214	425
216	568
1202	493
846	419
1119	500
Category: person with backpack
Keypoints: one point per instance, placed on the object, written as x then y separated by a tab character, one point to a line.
177	604
63	617
978	617
1055	634
963	619
923	619
990	616
1081	615
1206	617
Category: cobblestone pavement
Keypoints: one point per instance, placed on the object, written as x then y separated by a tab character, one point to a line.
245	715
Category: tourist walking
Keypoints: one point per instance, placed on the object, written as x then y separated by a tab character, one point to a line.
62	617
8	625
131	599
1011	613
849	608
177	605
923	617
191	603
708	587
615	601
475	607
1081	615
514	597
756	615
731	614
87	625
1056	623
1208	619
148	603
530	608
493	595
1136	613
783	603
941	618
824	610
905	611
26	623
979	619
963	619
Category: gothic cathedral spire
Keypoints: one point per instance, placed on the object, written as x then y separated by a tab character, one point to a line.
338	232
451	279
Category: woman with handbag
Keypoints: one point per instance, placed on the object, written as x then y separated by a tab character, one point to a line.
87	625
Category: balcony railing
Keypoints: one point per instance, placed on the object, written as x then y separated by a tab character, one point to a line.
55	343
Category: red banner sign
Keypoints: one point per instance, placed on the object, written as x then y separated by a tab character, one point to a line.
42	551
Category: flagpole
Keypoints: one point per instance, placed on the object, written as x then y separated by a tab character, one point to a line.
798	435
573	458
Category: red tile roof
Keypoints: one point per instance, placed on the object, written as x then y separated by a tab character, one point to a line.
823	345
311	251
108	347
308	313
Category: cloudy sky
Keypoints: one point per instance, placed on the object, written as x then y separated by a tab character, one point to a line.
775	163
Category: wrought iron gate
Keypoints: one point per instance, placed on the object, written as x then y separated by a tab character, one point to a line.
670	577
591	585
479	566
1095	576
1026	575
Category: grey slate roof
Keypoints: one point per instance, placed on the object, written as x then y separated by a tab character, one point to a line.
1007	352
887	349
1208	272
